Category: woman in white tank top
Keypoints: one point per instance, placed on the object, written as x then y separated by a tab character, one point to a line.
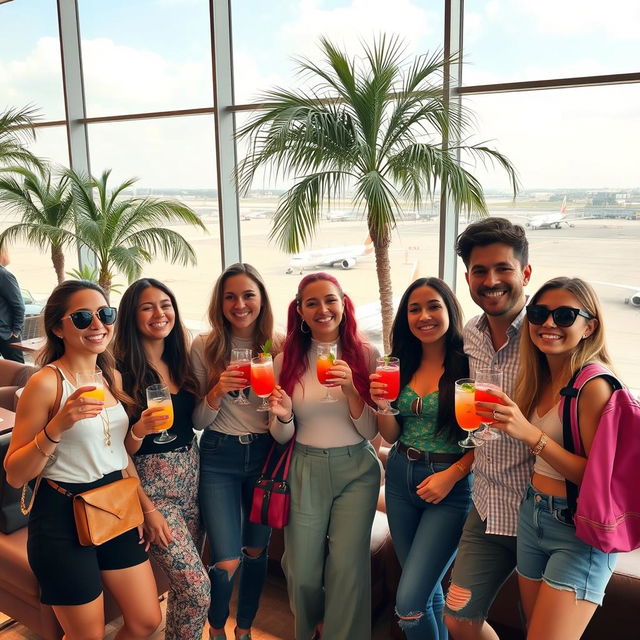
79	447
561	578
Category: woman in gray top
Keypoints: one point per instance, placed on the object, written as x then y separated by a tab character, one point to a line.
234	445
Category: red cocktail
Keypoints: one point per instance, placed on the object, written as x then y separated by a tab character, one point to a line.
262	379
388	368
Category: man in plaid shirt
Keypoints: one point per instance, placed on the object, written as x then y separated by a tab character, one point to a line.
495	253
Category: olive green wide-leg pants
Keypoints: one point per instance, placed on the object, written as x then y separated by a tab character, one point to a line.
327	559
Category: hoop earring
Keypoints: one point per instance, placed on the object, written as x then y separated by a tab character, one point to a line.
303	324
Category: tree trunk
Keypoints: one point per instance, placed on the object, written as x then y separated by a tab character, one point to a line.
381	242
57	257
104	280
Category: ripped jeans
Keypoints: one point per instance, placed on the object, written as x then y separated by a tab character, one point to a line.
425	537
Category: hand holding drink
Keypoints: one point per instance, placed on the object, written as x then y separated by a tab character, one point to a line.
91	379
158	395
241	362
262	378
326	356
488	379
388	372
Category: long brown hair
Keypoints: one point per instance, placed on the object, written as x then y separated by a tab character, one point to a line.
217	349
55	310
533	370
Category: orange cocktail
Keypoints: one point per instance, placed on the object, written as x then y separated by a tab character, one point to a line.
326	354
167	407
465	408
262	378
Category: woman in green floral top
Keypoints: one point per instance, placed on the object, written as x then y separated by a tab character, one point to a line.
428	486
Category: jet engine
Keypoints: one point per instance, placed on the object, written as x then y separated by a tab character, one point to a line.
346	263
634	300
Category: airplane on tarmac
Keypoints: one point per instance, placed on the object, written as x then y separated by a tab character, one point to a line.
633	299
549	220
343	257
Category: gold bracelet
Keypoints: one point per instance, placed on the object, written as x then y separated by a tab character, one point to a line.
44	453
541	444
150	510
462	468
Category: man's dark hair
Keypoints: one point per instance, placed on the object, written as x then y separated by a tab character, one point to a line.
492	230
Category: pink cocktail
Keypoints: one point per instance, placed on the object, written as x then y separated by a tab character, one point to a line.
388	368
262	378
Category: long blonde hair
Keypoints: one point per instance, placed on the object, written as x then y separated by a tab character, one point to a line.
217	347
533	370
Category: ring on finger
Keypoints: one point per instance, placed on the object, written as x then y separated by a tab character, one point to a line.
496	414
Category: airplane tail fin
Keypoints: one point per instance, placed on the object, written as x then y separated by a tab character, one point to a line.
563	208
368	246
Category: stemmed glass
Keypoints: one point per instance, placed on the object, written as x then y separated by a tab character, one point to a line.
241	361
388	368
327	353
487	378
262	379
158	395
465	407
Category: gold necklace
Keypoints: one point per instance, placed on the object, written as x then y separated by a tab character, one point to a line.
106	431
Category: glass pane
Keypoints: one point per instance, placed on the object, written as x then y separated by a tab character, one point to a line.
51	145
577	156
267	35
145	55
540	39
173	157
30	65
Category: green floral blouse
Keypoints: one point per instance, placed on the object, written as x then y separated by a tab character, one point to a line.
420	417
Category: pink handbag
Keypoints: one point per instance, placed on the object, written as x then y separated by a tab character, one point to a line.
271	495
606	506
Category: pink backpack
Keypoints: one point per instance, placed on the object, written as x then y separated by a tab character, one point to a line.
606	511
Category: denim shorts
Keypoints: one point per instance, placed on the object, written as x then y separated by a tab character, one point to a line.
549	550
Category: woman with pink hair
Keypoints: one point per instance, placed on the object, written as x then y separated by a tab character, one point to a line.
335	474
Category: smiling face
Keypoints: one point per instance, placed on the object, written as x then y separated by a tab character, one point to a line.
497	280
241	304
557	341
97	336
321	307
155	315
427	315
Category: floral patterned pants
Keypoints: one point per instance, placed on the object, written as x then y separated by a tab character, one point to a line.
171	482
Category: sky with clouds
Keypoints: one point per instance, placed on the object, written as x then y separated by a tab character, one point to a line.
151	55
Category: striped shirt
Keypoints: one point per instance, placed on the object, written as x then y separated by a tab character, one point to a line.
502	467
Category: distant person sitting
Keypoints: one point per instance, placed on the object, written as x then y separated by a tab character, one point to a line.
11	311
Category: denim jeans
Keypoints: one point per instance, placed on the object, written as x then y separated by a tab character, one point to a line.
425	537
228	471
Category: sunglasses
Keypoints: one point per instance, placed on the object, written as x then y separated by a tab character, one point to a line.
562	316
82	319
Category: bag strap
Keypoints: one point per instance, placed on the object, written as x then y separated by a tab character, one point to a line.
569	411
284	457
24	508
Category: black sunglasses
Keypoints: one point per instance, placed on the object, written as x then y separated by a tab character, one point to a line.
82	319
562	316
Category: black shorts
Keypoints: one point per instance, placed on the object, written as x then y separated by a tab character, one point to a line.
68	573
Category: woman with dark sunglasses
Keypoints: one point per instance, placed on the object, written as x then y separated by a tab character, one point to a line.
78	444
562	579
151	347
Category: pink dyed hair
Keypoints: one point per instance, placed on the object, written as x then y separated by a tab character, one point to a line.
297	343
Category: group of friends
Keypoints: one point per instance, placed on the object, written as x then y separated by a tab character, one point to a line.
493	508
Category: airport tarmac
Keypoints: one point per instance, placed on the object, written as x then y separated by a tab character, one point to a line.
603	251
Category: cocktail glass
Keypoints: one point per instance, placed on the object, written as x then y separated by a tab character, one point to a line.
388	368
487	378
158	395
465	408
262	378
241	361
326	356
91	379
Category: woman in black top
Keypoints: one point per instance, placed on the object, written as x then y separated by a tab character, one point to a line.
151	348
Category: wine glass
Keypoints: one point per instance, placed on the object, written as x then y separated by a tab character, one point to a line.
487	378
91	379
158	395
241	361
388	369
326	355
465	407
262	378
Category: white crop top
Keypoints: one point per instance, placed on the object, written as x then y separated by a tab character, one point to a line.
551	424
82	455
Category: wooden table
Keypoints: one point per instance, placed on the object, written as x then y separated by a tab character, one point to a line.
8	419
31	345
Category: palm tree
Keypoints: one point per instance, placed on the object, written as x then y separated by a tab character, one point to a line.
44	207
124	233
375	125
16	129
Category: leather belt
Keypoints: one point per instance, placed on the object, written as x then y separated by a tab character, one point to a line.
417	454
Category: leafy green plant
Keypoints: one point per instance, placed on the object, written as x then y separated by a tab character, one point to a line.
373	124
16	131
265	349
86	272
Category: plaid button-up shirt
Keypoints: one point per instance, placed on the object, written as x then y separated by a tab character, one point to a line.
502	467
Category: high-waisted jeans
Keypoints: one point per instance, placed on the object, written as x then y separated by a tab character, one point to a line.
425	537
228	471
